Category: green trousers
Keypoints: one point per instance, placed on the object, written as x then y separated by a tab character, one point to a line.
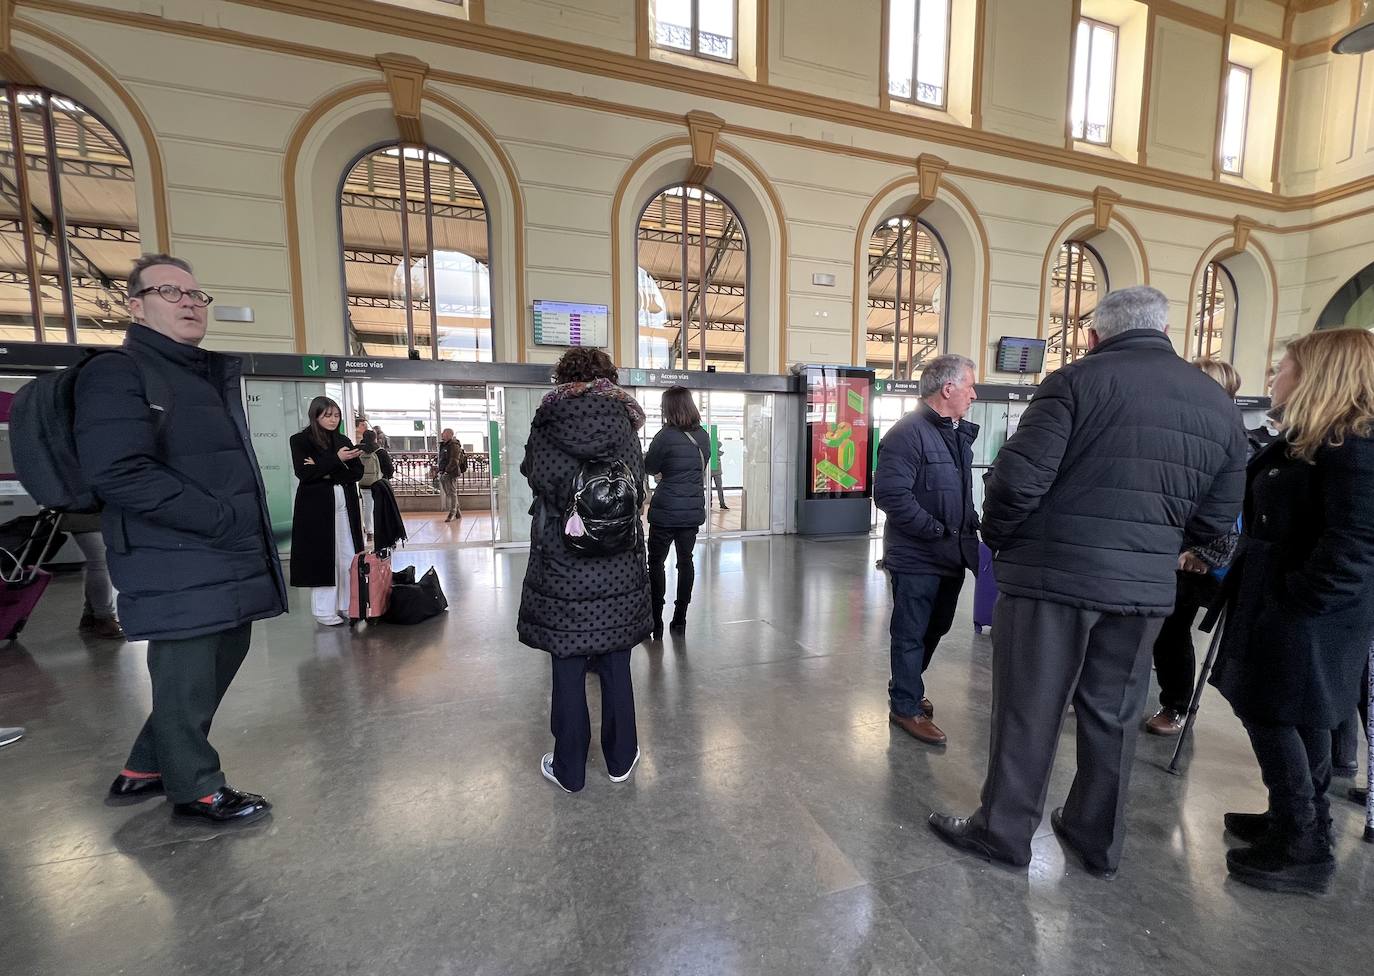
190	678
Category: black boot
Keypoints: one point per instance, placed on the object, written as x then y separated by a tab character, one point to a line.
1249	827
678	624
658	621
1291	858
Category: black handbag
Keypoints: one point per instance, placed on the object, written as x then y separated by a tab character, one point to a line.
415	601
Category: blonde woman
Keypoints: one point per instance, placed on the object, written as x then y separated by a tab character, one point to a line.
1300	612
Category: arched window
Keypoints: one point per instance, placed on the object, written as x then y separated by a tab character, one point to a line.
420	285
1078	278
1213	332
693	268
906	298
69	221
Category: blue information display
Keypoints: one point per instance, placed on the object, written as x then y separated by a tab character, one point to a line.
570	324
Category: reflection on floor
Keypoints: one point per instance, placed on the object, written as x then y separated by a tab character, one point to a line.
776	824
429	530
730	519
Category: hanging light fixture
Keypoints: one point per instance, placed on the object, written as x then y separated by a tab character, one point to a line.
1359	38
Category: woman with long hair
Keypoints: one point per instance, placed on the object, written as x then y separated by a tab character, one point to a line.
1300	607
326	527
680	458
585	599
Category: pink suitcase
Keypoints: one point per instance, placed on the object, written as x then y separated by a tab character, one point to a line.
369	587
23	581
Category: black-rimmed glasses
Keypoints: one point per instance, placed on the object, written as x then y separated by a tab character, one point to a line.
173	294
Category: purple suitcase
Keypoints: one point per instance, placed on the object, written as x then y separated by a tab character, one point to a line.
984	591
22	578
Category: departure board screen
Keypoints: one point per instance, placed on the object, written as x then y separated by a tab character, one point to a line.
569	324
1020	355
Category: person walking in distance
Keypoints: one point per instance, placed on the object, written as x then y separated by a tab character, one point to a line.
189	535
1122	459
924	485
678	457
717	480
451	463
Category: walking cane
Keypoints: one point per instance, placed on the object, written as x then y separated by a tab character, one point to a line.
1211	624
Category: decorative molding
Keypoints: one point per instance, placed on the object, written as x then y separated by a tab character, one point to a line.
365	14
477	11
1241	231
1065	231
642	29
703	133
980	30
405	80
1075	15
930	171
1104	204
157	169
761	43
1147	82
12	66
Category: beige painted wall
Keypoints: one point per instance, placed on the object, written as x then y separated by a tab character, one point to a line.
223	116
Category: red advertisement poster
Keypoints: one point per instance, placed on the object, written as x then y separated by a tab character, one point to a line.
837	413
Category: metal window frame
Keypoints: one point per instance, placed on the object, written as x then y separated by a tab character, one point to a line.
1231	68
912	226
1093	24
695	28
943	104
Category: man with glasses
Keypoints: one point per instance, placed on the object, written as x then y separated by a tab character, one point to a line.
162	439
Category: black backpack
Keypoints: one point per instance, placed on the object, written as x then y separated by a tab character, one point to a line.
43	436
602	518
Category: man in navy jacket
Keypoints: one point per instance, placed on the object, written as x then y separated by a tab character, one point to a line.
163	441
924	484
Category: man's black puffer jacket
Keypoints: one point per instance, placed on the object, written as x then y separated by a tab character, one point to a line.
1120	458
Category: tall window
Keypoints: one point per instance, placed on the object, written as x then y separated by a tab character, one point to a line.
702	28
1213	306
1094	82
421	283
1235	120
918	51
906	285
1074	290
693	283
68	221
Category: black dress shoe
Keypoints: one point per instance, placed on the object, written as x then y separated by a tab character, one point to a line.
132	789
959	832
658	630
678	625
228	806
1096	870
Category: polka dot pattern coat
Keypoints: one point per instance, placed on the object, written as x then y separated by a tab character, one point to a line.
575	605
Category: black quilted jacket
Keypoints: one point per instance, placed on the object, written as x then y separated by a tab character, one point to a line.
1121	460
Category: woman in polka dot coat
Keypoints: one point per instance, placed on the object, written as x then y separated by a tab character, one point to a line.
585	611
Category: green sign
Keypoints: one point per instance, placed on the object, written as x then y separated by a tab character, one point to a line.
420	426
312	366
495	436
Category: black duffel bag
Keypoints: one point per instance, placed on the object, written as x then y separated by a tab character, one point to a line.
415	601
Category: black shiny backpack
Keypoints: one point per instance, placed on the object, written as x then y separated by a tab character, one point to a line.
602	518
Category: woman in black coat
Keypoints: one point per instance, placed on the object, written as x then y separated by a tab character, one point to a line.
1300	611
326	526
678	456
585	611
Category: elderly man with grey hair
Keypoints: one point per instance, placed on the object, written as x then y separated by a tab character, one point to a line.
924	484
1121	460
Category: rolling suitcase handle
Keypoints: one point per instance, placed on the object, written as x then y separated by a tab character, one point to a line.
53	521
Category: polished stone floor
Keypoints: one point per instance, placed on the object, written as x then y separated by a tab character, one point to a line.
776	824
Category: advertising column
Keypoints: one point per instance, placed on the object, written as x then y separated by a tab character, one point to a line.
837	469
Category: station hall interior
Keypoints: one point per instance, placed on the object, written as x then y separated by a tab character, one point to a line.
414	208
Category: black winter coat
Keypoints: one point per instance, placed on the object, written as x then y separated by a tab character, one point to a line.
575	605
186	525
681	459
932	525
1300	613
312	520
1121	459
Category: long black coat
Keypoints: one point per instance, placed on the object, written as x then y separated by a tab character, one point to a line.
312	520
1121	459
680	458
574	605
1300	612
932	525
186	525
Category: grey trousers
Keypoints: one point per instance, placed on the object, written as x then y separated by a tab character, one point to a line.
1044	655
100	595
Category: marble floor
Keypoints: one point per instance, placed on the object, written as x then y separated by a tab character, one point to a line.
775	826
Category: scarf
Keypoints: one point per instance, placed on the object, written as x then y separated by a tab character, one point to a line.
601	387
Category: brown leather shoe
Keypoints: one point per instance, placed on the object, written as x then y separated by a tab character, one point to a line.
919	727
928	708
107	628
1165	722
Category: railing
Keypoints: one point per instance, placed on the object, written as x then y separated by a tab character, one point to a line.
416	474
